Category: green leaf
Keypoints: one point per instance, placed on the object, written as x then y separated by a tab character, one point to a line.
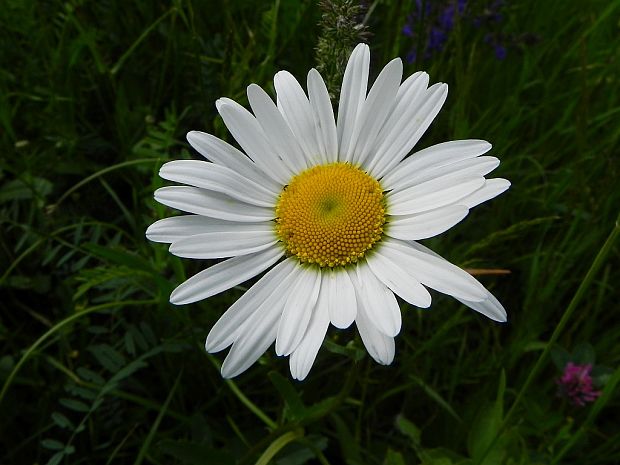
583	354
348	445
56	458
108	357
52	444
192	453
408	429
7	363
601	374
20	189
350	350
81	391
62	421
119	256
295	407
434	395
300	452
321	408
393	458
90	375
485	428
137	336
130	345
560	357
148	333
441	456
76	405
123	373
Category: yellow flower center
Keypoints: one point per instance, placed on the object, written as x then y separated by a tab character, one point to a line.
330	215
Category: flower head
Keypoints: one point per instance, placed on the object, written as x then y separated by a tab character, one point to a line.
331	209
576	385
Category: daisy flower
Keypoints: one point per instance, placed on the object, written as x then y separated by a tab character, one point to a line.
332	209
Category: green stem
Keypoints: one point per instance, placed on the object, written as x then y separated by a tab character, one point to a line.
56	328
116	68
278	444
608	392
147	442
583	287
99	173
115	392
244	400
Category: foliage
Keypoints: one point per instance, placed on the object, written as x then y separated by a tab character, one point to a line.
97	367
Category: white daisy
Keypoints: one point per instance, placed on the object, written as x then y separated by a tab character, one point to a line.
333	210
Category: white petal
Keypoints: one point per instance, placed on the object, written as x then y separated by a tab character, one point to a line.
214	204
298	310
396	277
380	304
432	194
226	330
248	133
239	241
490	308
433	271
294	105
276	129
352	97
375	109
323	116
410	128
380	347
303	356
472	167
225	154
411	88
224	275
255	336
408	98
492	188
432	157
342	300
179	227
219	179
426	224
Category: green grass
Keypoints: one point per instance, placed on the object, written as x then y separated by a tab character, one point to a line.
97	367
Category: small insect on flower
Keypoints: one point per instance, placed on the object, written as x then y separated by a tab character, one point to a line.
576	384
331	209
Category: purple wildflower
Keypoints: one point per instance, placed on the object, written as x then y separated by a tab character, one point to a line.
432	22
575	384
500	52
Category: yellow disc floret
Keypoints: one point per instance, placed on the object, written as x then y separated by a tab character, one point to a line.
330	215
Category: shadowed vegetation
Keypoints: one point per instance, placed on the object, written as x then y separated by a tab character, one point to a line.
97	367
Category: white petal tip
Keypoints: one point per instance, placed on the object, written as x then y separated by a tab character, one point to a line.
280	351
192	136
212	346
299	375
177	301
220	103
425	303
177	298
342	324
